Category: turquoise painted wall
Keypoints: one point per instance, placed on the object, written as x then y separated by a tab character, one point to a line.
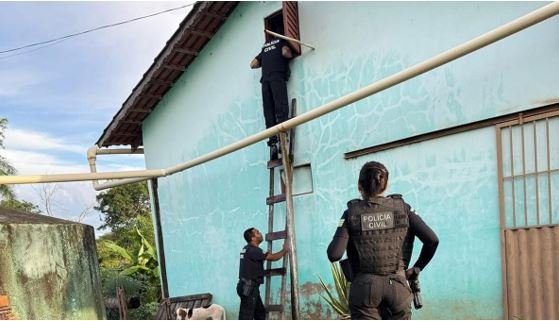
451	181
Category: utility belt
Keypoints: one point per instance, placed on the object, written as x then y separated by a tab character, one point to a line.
413	283
398	272
248	286
397	276
349	274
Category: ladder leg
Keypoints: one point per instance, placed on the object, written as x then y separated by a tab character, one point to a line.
289	220
286	180
267	295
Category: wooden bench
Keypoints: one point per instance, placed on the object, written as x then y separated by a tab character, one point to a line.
168	307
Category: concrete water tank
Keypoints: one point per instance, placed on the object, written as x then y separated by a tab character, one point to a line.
49	267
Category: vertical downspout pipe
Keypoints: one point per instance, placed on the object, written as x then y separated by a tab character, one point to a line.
159	237
91	157
92	153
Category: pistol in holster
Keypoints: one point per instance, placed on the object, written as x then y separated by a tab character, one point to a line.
247	286
416	290
347	270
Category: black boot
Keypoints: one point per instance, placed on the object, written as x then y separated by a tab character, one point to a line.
274	152
272	141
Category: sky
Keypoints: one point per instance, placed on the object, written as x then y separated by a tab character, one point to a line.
60	98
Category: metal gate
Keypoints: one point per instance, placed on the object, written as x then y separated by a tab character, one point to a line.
528	170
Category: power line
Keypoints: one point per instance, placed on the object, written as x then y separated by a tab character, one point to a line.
34	49
50	42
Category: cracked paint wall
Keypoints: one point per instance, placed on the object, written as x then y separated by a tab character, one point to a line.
452	181
49	267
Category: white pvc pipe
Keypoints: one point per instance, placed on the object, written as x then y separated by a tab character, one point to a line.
53	178
118	182
118	151
497	34
92	153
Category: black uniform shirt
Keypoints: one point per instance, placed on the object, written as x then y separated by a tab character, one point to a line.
251	266
274	65
417	228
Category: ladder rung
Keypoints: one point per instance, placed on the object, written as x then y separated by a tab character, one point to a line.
278	162
279	235
274	308
275	199
275	163
274	272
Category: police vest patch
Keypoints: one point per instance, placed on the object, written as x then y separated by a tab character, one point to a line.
377	221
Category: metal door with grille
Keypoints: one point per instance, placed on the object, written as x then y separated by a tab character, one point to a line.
528	166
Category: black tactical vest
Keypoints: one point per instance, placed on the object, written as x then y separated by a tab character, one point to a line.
378	229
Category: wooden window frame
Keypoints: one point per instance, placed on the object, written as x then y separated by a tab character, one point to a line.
290	17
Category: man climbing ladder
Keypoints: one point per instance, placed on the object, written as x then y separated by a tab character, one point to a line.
274	60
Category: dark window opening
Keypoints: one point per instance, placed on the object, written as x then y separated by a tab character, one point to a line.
285	22
274	22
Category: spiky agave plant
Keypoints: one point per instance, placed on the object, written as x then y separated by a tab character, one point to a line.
339	298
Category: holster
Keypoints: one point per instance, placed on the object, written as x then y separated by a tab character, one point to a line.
247	286
347	269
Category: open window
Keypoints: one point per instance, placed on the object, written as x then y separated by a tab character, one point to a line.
302	180
285	22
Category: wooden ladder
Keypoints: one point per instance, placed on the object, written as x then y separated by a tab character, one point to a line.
288	233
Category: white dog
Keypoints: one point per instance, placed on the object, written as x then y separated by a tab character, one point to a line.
214	312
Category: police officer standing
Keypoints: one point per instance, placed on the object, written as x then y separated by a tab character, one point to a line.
251	275
378	234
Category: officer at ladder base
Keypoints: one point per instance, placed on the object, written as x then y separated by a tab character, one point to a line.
378	234
251	275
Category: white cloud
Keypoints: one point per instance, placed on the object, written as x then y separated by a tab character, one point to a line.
38	163
83	80
18	139
41	163
38	153
69	200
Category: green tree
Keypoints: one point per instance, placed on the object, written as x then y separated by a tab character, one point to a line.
127	237
122	205
20	205
6	191
126	208
127	252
